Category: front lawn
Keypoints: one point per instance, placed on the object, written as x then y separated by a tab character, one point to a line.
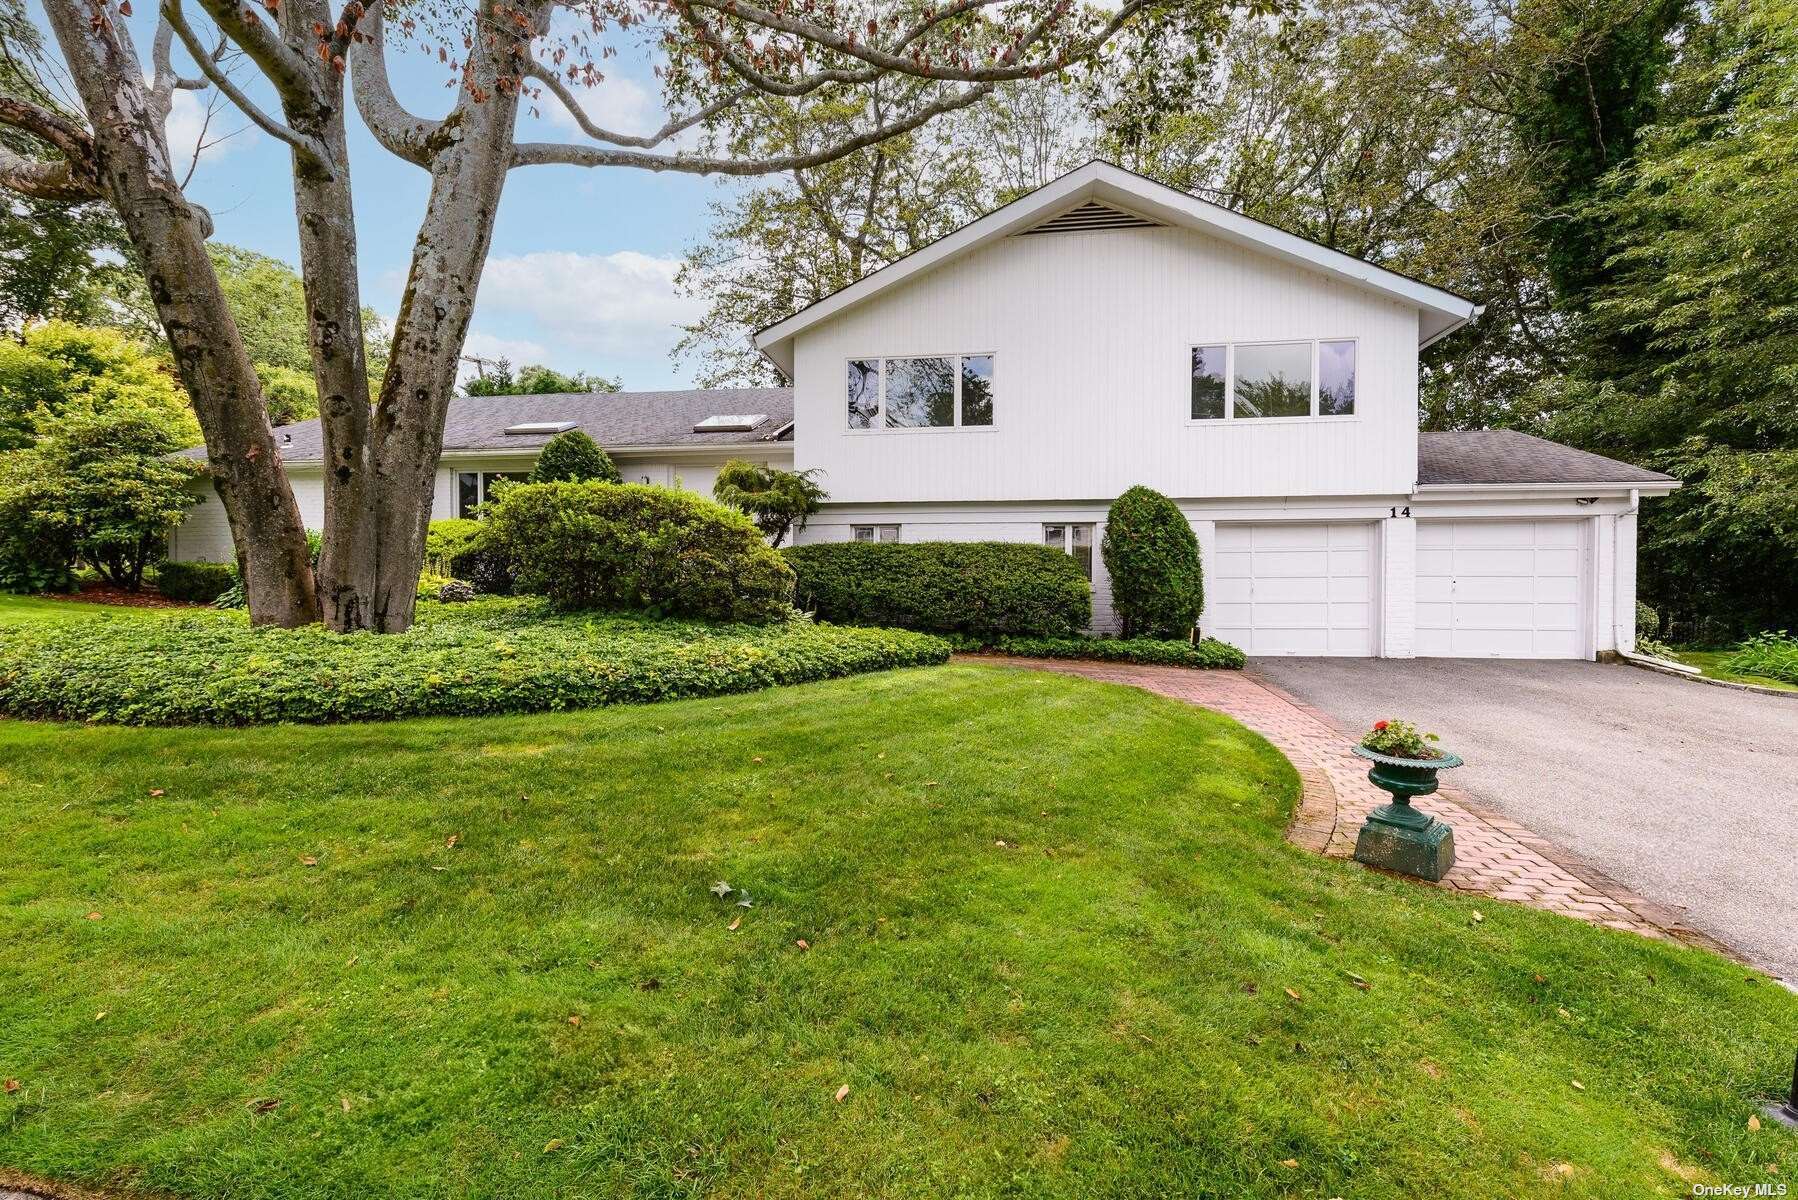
1011	934
1710	664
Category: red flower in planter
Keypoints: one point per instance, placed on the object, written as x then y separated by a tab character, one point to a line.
1379	725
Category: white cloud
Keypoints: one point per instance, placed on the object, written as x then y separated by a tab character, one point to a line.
517	351
620	305
617	104
187	126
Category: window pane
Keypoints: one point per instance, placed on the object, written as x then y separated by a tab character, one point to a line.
1056	536
468	493
1207	383
977	389
889	533
1083	547
1335	379
864	392
920	392
862	533
1274	381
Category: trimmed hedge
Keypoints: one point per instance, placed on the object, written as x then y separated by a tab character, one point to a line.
981	589
573	457
492	656
1209	652
447	538
1152	556
200	582
632	546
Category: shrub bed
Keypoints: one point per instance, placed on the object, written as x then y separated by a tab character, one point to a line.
493	656
1768	655
1209	652
199	582
980	589
630	546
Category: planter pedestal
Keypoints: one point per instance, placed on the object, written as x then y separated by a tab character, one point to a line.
1397	836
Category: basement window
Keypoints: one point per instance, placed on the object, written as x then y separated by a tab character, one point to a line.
874	533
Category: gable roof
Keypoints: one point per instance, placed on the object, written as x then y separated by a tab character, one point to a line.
1505	456
1439	312
616	420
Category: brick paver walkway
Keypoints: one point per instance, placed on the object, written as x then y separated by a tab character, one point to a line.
1494	856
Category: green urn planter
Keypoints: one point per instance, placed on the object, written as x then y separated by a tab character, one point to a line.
1397	836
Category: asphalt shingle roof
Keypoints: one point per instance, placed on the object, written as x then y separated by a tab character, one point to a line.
613	419
1507	456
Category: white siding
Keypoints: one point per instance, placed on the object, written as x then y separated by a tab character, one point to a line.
1091	334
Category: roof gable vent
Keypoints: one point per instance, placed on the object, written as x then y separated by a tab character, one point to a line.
1093	216
539	428
730	423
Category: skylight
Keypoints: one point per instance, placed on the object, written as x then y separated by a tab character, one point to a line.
525	428
730	423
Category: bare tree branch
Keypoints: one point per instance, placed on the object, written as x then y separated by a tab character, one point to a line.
531	154
52	127
310	147
44	179
561	91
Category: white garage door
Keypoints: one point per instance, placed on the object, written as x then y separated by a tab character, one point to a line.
1291	588
1500	589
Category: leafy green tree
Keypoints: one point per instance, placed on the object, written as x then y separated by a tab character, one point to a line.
1704	287
37	553
109	480
1152	556
779	502
497	378
57	369
573	457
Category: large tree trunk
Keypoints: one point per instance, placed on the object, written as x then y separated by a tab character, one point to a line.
133	167
468	174
327	224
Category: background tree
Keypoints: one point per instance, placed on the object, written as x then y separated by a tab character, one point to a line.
109	479
497	378
779	502
1152	556
573	457
57	368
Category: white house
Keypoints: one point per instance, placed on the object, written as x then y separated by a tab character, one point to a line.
1010	380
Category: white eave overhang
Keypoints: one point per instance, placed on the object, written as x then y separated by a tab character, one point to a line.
1547	491
1439	313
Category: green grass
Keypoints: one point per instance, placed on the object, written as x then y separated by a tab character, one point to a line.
1052	929
38	612
1710	664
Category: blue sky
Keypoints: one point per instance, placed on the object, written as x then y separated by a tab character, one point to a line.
581	272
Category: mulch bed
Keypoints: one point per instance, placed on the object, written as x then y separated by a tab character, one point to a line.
106	593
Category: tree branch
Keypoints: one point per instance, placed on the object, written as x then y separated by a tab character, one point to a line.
286	70
45	179
563	93
531	154
402	134
68	137
308	147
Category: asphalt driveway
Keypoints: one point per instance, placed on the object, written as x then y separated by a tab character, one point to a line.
1684	792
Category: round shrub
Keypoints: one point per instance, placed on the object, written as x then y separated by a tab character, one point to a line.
632	546
493	656
573	457
981	589
1152	555
1648	622
200	582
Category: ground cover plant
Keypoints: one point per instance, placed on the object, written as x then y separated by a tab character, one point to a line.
1769	655
1045	933
485	657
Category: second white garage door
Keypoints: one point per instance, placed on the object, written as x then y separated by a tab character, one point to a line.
1500	589
1295	588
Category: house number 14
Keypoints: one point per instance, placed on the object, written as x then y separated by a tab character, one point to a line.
1402	512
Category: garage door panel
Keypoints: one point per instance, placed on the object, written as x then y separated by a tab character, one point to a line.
1501	589
1295	587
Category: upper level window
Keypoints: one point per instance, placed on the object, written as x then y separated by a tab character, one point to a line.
1253	380
923	392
